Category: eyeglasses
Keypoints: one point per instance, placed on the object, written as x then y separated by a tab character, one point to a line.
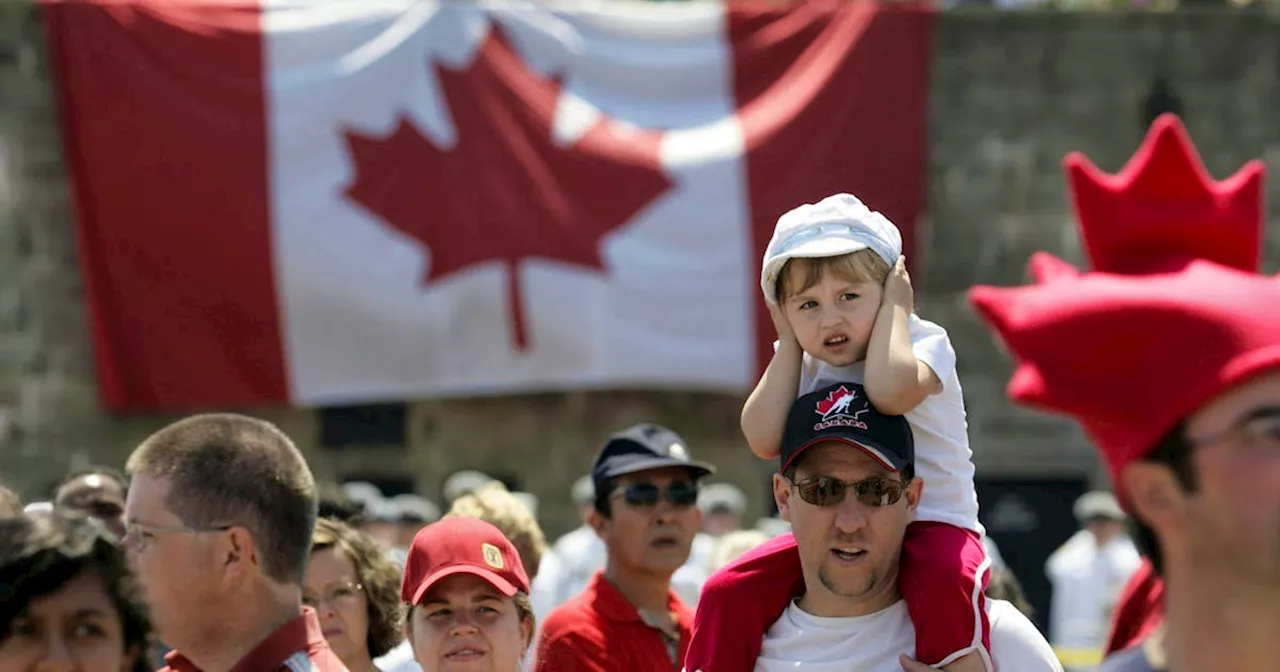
336	595
681	493
827	491
1261	428
138	536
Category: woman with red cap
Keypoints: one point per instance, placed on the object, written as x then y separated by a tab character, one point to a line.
468	598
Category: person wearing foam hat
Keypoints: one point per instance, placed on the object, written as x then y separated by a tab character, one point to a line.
835	281
630	617
847	483
1167	352
468	598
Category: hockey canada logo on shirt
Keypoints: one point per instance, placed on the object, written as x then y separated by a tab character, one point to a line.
841	408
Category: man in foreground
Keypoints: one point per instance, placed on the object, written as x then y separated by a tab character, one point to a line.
218	526
846	483
1168	354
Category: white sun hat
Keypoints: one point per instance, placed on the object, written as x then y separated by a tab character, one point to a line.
836	225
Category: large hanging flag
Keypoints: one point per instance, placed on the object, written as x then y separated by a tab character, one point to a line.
359	200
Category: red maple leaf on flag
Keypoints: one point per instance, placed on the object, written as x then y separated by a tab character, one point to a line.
505	191
837	396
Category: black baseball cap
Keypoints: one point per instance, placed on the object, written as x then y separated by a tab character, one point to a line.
640	448
841	412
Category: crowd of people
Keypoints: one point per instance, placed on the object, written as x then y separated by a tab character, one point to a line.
215	549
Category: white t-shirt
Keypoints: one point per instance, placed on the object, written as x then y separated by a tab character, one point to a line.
943	458
1087	581
800	642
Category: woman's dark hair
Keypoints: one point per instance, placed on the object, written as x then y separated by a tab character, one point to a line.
378	575
42	552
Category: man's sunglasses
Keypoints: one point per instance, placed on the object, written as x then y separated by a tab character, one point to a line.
827	491
681	493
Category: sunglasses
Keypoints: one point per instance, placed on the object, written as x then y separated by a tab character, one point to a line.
873	492
681	493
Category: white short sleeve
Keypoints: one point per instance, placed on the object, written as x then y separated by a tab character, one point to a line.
1016	644
932	346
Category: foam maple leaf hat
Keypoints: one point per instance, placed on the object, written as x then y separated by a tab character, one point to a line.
1172	312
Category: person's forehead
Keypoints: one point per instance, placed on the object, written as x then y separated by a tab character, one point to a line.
835	458
147	500
1229	407
662	475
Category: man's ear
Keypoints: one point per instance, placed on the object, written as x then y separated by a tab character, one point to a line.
238	554
1156	496
914	490
782	496
599	523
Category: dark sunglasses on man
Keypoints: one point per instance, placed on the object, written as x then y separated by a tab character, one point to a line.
679	493
873	492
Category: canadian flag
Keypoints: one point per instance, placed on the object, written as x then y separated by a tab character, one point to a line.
347	201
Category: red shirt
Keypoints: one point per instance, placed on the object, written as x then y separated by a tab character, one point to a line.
598	630
296	646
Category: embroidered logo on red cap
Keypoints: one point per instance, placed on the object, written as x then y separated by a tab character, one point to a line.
837	410
492	556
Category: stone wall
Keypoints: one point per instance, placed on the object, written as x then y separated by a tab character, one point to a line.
1011	94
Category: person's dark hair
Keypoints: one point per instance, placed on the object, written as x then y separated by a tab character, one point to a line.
1004	585
97	470
1173	451
379	578
42	552
10	503
228	469
335	505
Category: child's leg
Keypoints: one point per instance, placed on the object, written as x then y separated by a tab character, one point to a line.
943	577
739	604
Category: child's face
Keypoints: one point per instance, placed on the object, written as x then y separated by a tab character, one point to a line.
832	320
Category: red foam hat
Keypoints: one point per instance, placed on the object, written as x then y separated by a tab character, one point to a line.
1172	312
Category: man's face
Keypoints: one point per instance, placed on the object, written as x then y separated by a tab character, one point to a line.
176	568
849	551
651	538
1232	520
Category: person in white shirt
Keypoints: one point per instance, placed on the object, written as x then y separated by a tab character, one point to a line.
1088	572
847	485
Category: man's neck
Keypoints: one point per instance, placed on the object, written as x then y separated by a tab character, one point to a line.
240	627
825	604
645	591
1216	623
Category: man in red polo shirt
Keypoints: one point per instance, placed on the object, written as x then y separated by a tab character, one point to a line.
218	525
629	618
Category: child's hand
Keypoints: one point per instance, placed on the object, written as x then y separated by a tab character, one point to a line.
897	287
781	324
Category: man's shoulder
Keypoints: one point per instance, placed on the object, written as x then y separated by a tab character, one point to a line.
577	614
1016	643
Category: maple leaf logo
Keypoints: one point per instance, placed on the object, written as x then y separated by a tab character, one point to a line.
837	401
505	192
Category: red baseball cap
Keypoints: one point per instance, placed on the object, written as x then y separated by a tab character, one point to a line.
461	545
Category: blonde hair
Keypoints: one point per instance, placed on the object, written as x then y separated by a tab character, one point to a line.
494	504
861	266
731	545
